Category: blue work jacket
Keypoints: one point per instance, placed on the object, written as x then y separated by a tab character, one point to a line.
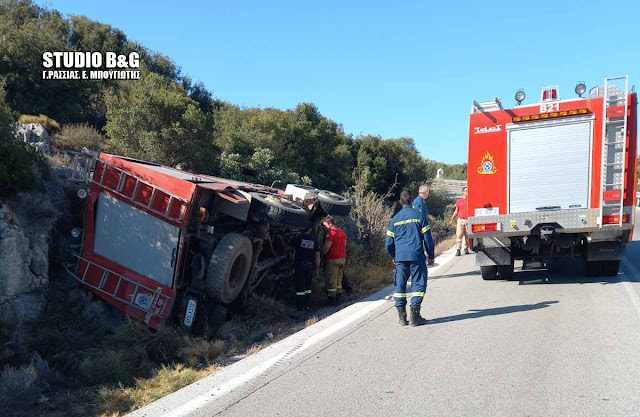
420	205
409	235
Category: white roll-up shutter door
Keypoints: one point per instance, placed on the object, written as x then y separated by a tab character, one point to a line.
550	165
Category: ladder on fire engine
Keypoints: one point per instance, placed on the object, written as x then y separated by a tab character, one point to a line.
134	199
614	147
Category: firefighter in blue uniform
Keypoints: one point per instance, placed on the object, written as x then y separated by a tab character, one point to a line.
307	264
407	239
420	204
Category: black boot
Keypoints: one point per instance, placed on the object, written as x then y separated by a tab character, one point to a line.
416	319
402	316
458	252
307	302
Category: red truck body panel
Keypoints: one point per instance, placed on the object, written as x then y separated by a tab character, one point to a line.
488	138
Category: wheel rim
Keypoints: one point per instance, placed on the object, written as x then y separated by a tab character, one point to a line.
237	271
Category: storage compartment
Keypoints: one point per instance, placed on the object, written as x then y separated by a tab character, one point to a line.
549	165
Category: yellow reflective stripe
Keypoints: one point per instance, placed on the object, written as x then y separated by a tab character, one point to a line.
426	229
307	292
401	222
300	293
390	233
418	294
400	295
331	290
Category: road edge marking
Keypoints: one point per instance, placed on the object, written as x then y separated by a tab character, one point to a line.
165	407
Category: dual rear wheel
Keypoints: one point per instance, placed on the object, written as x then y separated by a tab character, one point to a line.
493	272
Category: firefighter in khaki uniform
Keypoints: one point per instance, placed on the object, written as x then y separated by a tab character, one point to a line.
407	241
335	254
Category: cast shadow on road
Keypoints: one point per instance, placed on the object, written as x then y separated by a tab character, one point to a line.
474	314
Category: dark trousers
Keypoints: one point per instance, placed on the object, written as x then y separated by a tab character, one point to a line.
417	271
303	276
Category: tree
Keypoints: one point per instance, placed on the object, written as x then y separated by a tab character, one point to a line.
17	159
153	119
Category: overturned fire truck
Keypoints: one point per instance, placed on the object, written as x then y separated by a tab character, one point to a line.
553	179
164	245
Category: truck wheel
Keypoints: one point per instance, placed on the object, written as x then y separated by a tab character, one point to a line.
594	268
216	316
229	268
610	268
278	210
333	203
489	272
505	272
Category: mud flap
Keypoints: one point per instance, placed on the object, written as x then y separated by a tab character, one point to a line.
493	251
606	251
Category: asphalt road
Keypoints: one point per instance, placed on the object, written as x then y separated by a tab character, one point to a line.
551	343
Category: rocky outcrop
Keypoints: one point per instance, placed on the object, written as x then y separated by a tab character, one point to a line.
25	234
36	135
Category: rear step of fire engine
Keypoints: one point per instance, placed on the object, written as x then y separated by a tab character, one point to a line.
614	146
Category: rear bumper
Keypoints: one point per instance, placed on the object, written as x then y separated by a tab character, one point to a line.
564	221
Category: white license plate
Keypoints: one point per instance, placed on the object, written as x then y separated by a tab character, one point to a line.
190	313
493	211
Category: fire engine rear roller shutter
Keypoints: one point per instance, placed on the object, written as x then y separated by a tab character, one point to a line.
549	166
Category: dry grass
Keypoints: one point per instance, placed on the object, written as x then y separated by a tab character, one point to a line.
311	321
167	379
445	244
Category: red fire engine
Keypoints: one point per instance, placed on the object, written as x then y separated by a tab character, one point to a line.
552	179
160	243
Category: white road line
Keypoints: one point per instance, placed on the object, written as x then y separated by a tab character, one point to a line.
361	308
635	276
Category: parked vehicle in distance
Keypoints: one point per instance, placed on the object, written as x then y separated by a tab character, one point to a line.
164	245
554	179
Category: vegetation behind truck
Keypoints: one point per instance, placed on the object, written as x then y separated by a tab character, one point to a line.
554	179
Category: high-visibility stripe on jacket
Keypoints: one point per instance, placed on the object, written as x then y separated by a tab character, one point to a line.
408	235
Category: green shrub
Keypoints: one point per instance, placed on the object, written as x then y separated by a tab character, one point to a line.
51	125
78	136
19	390
18	160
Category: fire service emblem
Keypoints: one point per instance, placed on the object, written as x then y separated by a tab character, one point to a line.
487	165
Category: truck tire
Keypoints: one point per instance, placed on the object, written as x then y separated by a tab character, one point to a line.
333	203
216	316
610	268
229	268
593	268
505	272
489	272
278	211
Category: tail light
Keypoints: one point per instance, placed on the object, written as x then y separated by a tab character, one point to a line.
485	227
615	219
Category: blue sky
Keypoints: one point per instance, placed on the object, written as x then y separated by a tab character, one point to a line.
405	68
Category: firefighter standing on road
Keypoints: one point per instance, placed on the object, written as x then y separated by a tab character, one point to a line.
335	254
406	243
420	204
462	213
307	264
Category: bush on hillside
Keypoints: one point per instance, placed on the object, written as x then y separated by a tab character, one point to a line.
18	160
77	136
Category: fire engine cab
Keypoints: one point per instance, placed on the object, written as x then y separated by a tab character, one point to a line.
554	179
